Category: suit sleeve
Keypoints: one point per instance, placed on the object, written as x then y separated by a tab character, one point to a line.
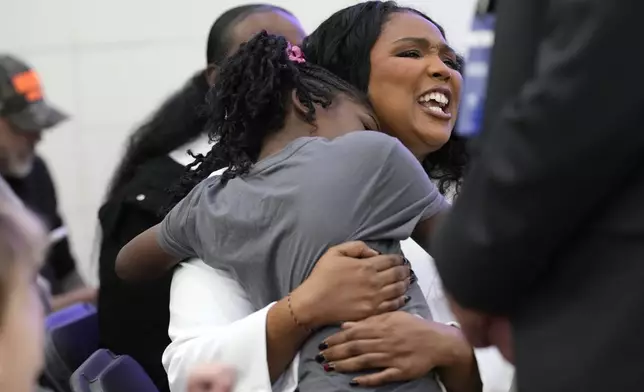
549	163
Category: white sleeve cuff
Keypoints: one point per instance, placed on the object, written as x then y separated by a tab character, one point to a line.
212	320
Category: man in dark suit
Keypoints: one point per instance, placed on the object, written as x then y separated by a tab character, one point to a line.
548	230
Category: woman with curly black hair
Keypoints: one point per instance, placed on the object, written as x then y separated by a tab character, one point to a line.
304	173
395	54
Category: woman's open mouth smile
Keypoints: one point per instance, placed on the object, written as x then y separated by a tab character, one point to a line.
435	102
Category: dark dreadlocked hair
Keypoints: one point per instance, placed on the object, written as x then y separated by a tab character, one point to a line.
250	100
343	43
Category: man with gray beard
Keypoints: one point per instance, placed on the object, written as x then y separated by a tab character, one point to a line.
24	115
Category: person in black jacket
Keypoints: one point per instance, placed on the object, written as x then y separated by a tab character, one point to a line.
24	115
548	230
134	319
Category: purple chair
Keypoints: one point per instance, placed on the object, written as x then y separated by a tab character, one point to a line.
90	370
106	372
71	337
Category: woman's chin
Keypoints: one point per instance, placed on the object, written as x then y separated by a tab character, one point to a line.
435	138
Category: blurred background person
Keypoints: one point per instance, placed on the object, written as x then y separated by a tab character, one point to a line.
549	228
24	116
211	378
23	245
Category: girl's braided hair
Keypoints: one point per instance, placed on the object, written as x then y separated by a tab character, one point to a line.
250	100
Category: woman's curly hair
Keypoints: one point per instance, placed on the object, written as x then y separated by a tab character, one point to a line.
250	100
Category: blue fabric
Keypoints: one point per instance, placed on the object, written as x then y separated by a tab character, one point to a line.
90	370
71	337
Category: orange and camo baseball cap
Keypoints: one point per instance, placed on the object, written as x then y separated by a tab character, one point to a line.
21	98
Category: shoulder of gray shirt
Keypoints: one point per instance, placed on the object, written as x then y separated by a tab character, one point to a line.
367	142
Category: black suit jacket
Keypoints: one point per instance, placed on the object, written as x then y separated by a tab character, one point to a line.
133	318
549	227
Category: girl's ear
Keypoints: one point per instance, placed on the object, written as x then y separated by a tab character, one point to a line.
300	111
298	106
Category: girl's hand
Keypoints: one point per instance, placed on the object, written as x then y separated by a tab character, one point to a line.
351	282
406	347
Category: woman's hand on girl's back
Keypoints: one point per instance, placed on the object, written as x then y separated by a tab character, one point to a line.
404	347
351	282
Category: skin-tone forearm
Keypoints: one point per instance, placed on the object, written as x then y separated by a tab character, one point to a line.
459	372
463	377
142	258
62	301
283	337
80	295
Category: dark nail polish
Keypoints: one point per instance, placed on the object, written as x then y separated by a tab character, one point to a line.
320	358
354	383
323	346
406	261
329	367
407	298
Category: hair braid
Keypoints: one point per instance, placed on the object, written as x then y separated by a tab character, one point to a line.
250	100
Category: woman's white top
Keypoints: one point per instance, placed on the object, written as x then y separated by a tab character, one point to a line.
212	320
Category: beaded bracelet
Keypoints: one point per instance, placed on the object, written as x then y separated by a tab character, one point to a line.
297	322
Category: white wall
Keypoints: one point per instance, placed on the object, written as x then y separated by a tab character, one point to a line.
109	63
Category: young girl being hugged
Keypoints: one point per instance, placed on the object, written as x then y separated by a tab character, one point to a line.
305	171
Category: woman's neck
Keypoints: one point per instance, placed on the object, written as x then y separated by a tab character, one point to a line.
420	155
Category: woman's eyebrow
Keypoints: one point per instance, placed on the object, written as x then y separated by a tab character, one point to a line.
426	44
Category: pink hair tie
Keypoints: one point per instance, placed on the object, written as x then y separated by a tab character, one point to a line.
295	54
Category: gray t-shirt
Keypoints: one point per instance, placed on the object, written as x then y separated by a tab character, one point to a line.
269	227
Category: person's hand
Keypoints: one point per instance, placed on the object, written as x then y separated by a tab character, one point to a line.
475	325
86	294
211	378
403	345
80	295
351	282
483	330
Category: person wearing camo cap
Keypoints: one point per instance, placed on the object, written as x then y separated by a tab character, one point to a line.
24	115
